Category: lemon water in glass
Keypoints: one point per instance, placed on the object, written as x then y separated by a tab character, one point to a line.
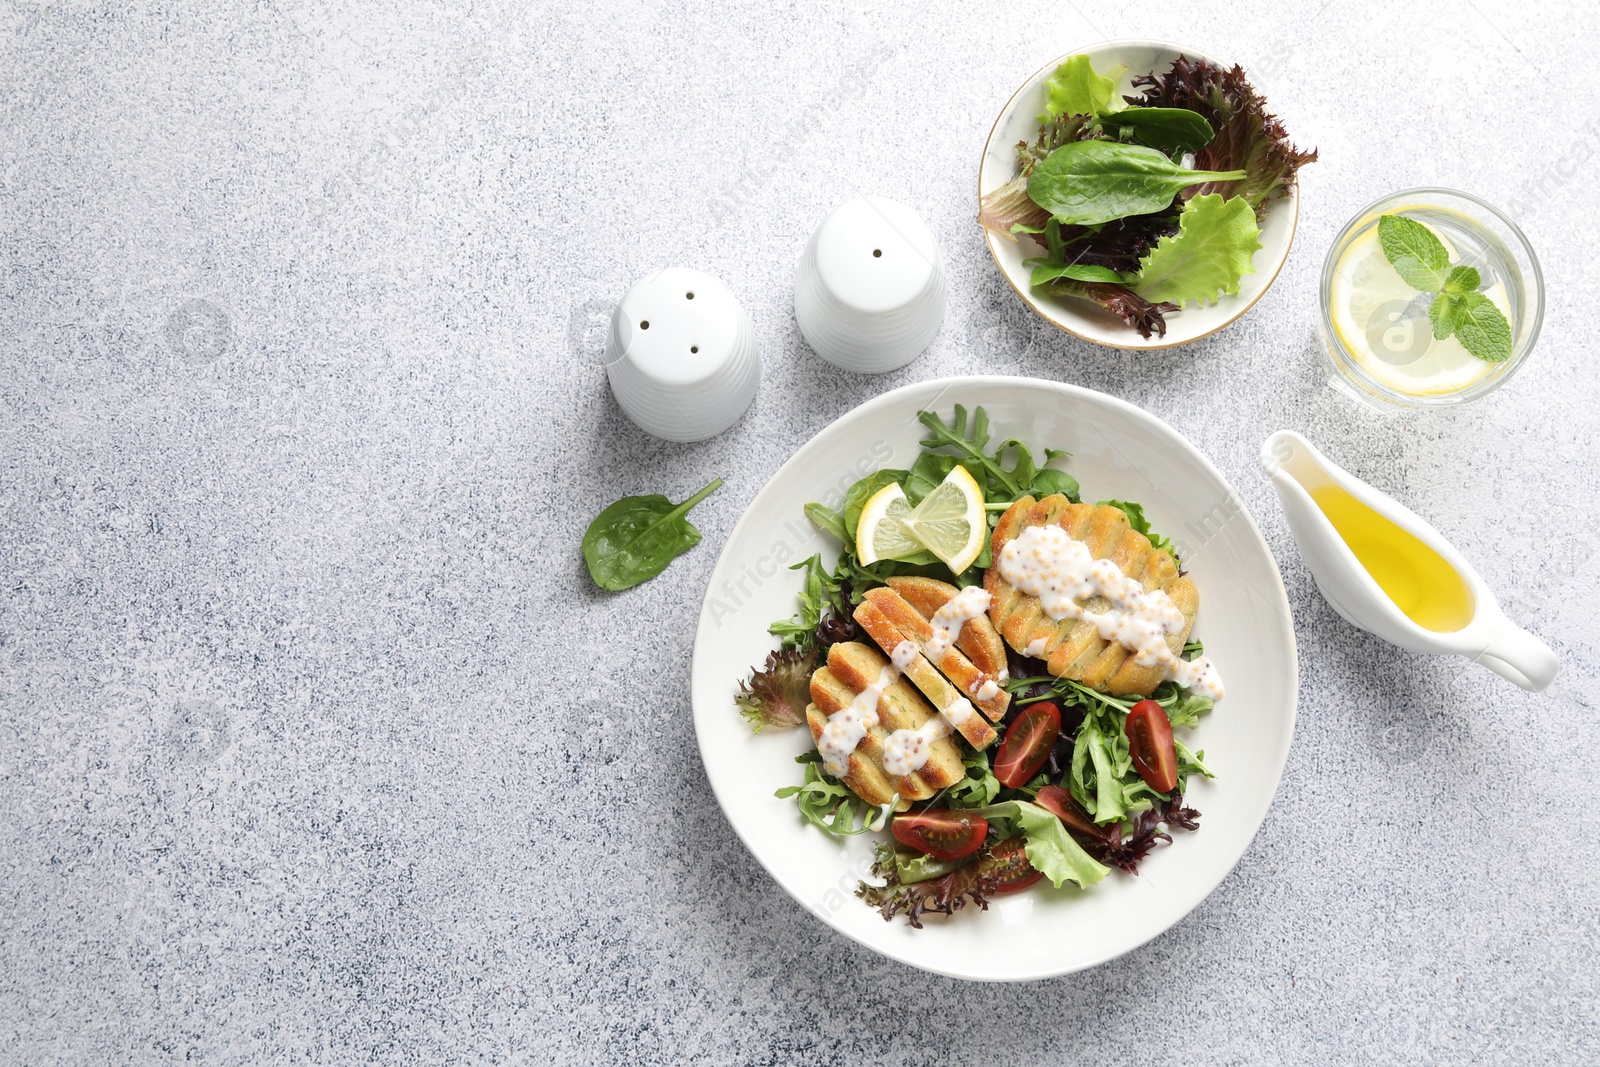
1376	327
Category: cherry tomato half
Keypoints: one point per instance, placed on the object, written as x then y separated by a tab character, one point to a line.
1008	864
1059	802
1150	744
941	833
1028	743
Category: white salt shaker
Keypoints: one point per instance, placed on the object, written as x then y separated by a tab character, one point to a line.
682	356
869	294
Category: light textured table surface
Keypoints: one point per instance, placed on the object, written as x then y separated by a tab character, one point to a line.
316	743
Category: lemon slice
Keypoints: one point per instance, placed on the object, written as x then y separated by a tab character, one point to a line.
950	520
881	531
1383	322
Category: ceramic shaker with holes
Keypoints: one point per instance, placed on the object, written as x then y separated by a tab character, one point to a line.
681	355
869	294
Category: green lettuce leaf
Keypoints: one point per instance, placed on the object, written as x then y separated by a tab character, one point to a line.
1212	250
1049	847
1075	89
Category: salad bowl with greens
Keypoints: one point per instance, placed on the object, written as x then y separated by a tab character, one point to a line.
1139	195
1071	851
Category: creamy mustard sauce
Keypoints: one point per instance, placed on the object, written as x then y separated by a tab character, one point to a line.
907	750
846	728
1048	563
949	619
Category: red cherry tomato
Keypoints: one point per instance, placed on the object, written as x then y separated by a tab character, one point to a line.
1028	743
941	833
1150	744
1059	802
1008	864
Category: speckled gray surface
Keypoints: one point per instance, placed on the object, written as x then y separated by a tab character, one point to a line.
316	745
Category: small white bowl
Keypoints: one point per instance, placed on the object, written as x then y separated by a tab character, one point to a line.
869	293
681	355
1083	318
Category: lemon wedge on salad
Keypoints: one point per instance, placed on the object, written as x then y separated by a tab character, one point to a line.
950	523
881	531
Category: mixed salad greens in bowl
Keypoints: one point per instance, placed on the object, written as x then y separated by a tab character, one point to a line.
1139	195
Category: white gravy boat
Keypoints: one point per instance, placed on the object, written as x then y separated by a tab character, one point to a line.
1295	468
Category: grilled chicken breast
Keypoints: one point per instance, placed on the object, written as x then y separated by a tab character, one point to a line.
1073	648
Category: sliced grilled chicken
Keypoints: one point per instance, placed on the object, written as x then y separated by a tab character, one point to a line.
953	704
852	668
956	651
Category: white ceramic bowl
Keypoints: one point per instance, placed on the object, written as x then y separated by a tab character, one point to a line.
1119	452
1083	318
681	355
869	292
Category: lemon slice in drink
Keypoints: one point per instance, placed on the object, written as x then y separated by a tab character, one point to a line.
950	520
1383	324
881	531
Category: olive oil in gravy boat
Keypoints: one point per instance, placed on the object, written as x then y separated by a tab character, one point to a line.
1297	469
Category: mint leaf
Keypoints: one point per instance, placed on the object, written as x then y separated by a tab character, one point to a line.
1462	280
1046	271
1075	89
1212	250
1482	329
1444	313
1416	254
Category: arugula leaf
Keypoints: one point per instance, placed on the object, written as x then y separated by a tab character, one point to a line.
1175	129
634	539
1186	708
1046	271
1075	89
1216	241
1002	484
829	804
1189	762
1415	252
822	592
1482	329
827	520
977	787
1088	182
1048	845
1136	519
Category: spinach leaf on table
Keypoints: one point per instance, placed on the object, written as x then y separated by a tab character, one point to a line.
1089	182
634	539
